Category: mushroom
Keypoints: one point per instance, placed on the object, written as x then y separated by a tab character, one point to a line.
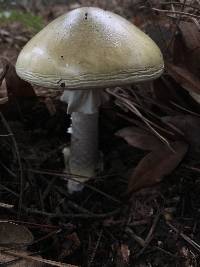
84	52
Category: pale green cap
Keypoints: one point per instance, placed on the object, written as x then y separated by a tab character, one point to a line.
89	48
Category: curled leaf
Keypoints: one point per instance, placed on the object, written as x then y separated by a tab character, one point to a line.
155	165
140	138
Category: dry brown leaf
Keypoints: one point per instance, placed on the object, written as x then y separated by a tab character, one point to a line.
139	138
190	126
191	38
17	87
185	78
190	34
12	234
155	165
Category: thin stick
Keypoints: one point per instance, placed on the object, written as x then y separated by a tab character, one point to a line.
137	238
176	12
34	258
185	237
149	235
18	159
70	215
180	4
95	249
132	108
63	177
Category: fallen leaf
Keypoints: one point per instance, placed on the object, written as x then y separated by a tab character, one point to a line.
16	87
155	165
14	261
15	236
185	78
190	34
190	126
191	39
28	257
140	138
12	234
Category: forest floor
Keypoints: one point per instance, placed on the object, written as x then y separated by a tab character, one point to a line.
143	209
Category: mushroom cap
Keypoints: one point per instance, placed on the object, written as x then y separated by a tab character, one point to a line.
89	48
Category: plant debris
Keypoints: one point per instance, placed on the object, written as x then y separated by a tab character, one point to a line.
143	209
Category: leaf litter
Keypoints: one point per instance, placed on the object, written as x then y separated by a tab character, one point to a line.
121	215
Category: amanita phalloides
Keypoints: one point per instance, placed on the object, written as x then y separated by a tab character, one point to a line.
84	52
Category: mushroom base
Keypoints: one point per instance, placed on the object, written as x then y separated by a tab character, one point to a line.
83	159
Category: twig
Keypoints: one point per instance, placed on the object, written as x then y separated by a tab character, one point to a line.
180	4
37	225
166	252
48	189
185	109
95	248
143	243
79	208
55	232
137	238
69	215
9	190
34	258
149	235
63	177
18	159
176	12
132	108
180	15
196	22
8	170
185	237
192	168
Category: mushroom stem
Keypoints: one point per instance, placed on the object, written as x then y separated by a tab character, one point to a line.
84	146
